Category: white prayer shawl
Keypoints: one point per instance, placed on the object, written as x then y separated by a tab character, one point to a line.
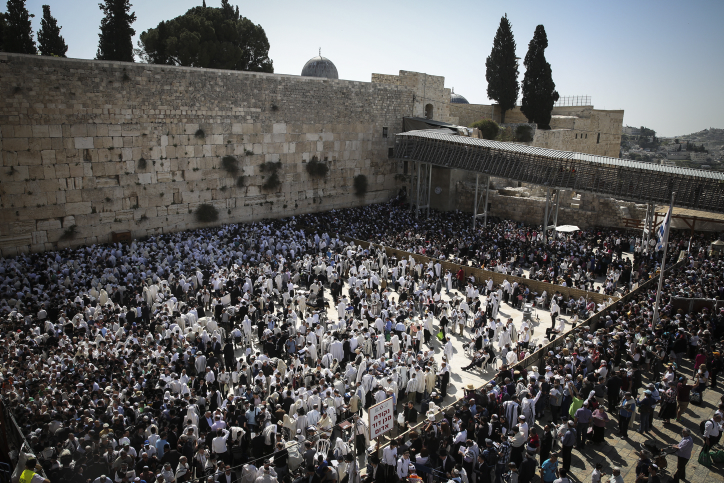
511	409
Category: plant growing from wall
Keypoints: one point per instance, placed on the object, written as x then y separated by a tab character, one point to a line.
142	163
200	134
206	213
230	165
360	185
488	128
69	233
316	168
240	181
524	134
272	181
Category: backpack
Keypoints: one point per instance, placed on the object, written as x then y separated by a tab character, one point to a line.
702	425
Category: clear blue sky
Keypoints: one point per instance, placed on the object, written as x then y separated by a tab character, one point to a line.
659	60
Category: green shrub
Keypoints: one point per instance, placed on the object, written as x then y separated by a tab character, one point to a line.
360	185
270	166
272	182
317	168
230	164
69	233
524	134
487	127
207	213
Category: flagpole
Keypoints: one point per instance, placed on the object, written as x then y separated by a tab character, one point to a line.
667	221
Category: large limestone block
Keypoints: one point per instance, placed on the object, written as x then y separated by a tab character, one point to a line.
52	224
279	128
80	208
83	143
15	144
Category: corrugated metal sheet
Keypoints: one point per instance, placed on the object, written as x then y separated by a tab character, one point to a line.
612	177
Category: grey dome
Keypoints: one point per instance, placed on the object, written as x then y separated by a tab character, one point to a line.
457	99
320	67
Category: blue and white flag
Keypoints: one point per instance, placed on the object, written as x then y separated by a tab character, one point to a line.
662	230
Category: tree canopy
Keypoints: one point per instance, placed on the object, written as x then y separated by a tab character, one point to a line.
501	69
115	38
17	33
539	90
217	38
49	39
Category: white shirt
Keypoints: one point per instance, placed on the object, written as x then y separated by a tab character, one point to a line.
218	444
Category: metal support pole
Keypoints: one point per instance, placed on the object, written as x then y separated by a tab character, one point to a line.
487	190
646	226
545	217
558	203
417	207
429	188
475	201
663	259
650	226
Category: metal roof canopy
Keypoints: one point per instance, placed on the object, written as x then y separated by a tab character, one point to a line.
566	170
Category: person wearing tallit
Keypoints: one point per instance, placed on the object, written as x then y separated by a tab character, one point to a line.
511	409
528	407
395	341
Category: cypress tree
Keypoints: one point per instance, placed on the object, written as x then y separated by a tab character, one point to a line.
17	31
539	90
116	32
501	69
49	39
2	29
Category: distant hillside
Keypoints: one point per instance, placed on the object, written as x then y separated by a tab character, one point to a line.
712	139
701	150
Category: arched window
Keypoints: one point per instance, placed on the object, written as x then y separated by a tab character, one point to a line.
428	111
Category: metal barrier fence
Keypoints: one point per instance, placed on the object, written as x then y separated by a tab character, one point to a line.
481	275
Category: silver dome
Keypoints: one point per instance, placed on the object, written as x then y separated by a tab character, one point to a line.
320	67
457	99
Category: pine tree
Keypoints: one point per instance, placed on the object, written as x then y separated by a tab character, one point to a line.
49	39
17	31
539	90
116	32
501	69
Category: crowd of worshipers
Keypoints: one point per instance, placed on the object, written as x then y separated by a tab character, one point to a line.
571	259
178	356
629	368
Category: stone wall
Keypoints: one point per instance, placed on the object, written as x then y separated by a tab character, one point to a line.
529	208
581	129
429	90
75	135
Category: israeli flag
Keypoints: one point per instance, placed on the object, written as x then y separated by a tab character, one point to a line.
661	231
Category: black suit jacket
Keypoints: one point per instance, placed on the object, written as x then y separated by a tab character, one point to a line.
378	477
448	465
223	479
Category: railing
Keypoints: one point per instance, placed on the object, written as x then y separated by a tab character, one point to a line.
12	439
571	101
